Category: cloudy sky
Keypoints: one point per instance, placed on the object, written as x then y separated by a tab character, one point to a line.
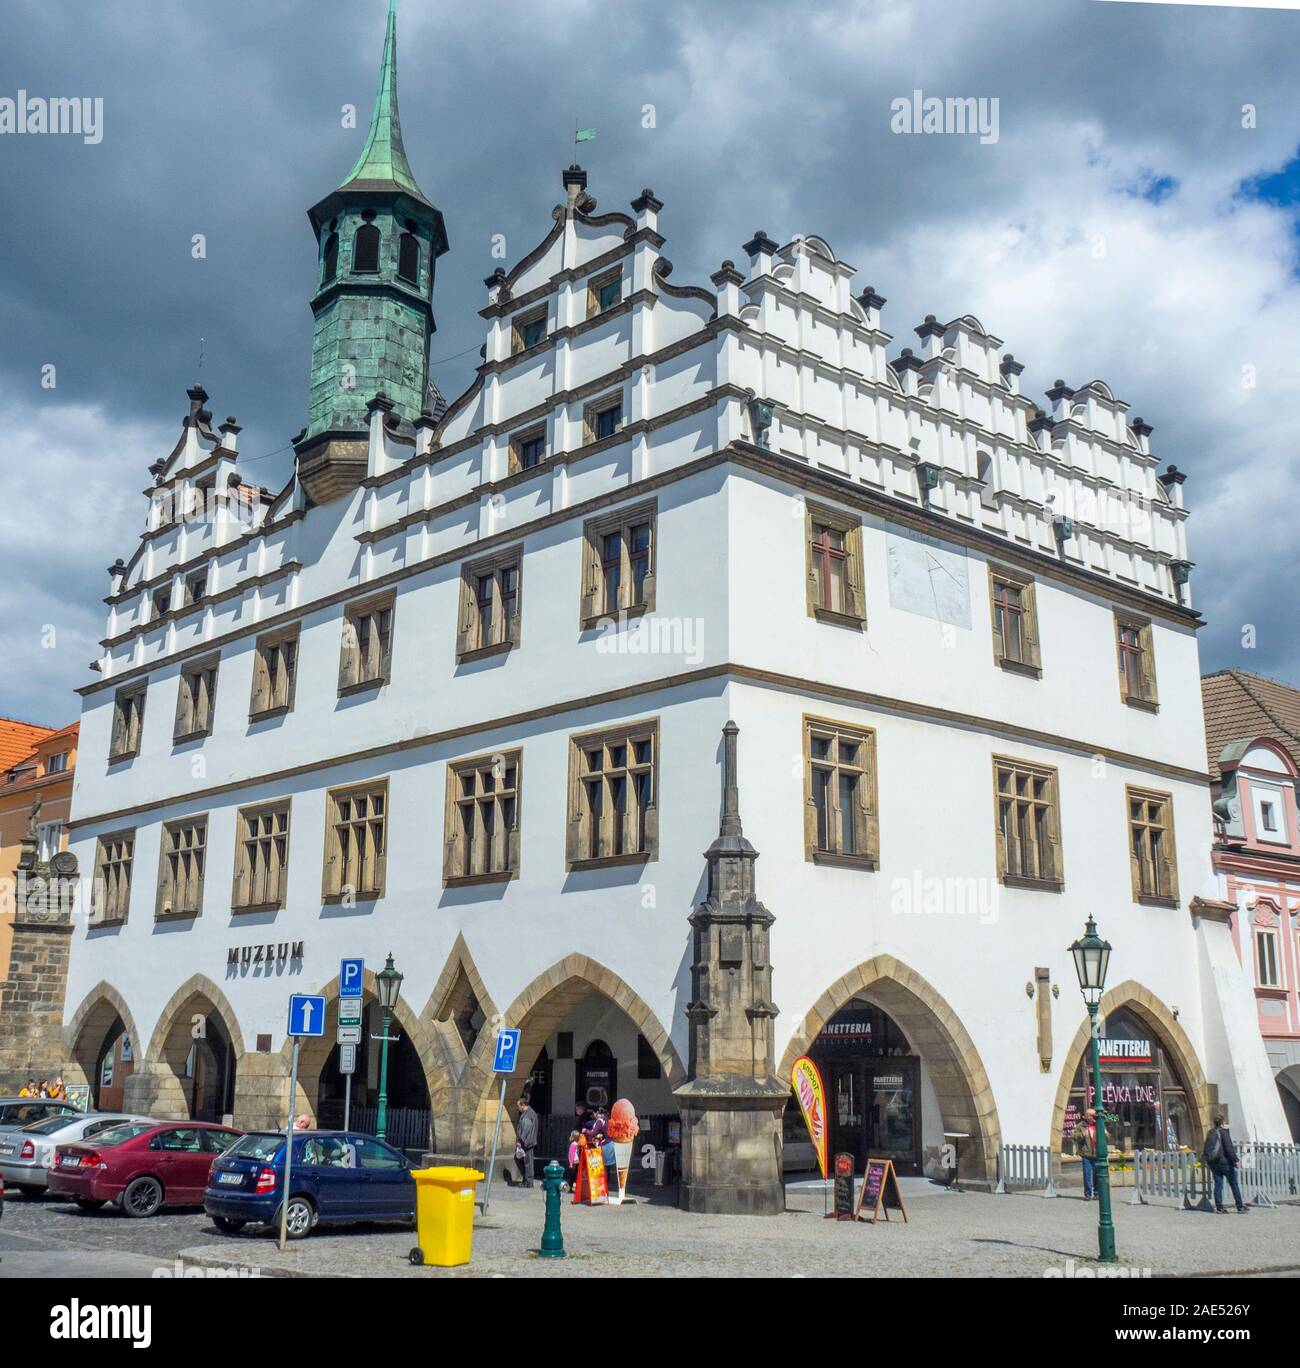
1131	224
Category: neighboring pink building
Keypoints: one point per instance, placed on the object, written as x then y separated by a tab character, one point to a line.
1252	727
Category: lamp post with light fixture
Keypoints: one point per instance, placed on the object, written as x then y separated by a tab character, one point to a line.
1091	958
388	983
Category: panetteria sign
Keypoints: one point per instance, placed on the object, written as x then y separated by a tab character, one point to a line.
1125	1051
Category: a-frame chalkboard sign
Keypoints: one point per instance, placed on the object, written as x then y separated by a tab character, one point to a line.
879	1192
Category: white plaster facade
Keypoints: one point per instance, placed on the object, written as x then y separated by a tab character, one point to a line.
730	637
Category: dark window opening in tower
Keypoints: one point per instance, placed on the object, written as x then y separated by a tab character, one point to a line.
331	258
365	248
408	258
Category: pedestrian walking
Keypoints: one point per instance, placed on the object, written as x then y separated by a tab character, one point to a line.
526	1140
1085	1146
1220	1155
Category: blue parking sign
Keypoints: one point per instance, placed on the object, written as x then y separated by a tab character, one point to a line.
507	1051
352	977
307	1014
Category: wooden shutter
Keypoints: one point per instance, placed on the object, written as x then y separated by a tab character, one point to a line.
868	810
809	806
184	706
384	631
649	600
855	599
1148	672
261	680
590	605
466	637
514	624
118	743
1055	863
1169	852
243	865
381	857
512	837
1029	625
349	655
209	686
1134	862
331	873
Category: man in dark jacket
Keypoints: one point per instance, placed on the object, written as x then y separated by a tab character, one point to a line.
1220	1156
526	1140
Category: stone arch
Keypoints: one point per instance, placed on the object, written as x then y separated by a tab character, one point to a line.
315	1051
85	1033
164	1061
538	1010
938	1036
1164	1025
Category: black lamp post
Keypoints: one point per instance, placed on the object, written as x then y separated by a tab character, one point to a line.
1091	959
388	982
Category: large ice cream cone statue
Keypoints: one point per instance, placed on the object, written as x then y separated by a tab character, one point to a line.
623	1129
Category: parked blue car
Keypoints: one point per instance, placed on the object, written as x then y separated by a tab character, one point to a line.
337	1176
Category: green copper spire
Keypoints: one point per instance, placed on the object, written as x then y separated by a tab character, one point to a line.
382	163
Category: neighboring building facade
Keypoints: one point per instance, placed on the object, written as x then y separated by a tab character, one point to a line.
43	769
1252	727
682	556
35	924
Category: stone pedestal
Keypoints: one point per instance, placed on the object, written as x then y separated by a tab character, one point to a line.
732	1101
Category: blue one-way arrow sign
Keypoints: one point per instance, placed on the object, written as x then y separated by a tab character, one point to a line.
307	1014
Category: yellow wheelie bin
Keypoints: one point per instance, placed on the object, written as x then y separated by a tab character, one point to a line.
444	1215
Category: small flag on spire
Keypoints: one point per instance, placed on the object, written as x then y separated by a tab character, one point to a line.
584	135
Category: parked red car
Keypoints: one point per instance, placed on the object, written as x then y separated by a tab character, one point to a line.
143	1165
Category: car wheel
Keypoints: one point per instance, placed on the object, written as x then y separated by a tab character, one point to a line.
298	1222
89	1203
416	1255
226	1225
142	1197
30	1192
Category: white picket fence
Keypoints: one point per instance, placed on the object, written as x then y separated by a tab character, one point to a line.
1025	1166
1268	1172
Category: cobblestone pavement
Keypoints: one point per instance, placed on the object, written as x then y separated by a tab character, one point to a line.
967	1235
971	1235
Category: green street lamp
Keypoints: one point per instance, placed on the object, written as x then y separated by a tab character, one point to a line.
388	982
1091	959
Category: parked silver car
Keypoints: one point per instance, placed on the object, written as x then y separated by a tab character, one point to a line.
26	1155
17	1112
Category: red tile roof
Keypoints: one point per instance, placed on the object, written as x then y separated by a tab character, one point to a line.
18	739
1240	706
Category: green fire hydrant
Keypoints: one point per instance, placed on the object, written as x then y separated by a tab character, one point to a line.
552	1239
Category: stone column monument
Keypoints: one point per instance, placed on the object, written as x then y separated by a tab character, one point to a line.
731	1103
31	1010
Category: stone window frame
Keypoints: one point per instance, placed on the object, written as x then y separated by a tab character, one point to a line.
866	810
182	866
128	721
598	284
1146	696
368	664
521	322
335	866
274	689
1048	774
537	432
268	846
578	826
593	609
1032	662
1166	875
592	411
505	632
114	858
487	774
196	699
849	525
193	587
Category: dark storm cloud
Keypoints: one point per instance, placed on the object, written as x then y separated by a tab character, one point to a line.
225	120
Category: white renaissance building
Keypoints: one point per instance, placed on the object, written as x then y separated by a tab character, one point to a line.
457	693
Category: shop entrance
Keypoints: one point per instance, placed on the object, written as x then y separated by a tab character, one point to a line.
1140	1088
873	1088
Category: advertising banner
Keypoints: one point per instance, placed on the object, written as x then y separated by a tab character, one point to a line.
807	1083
